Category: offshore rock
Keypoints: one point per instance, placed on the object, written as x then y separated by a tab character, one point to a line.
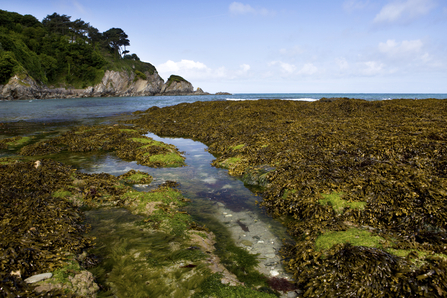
199	91
177	88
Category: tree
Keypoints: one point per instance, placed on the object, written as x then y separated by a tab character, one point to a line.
56	23
94	35
78	28
116	38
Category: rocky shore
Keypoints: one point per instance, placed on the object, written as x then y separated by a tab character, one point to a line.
113	84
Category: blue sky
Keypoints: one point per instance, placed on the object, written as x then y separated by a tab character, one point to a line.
280	46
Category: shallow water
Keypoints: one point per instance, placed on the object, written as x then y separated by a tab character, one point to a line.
199	181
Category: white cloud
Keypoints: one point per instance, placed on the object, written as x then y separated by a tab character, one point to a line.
240	8
284	67
194	70
391	47
182	65
243	71
404	11
291	69
308	69
371	68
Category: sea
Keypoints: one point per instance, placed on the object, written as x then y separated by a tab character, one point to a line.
80	109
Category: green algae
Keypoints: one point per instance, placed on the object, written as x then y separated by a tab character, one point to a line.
354	236
338	204
140	262
237	147
170	159
136	177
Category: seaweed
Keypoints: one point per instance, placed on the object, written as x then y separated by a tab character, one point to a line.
128	144
388	158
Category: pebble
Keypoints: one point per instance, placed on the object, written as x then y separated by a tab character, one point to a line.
274	272
228	215
38	277
270	256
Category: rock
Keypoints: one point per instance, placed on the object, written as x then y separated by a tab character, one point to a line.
257	176
223	93
83	284
199	91
19	87
114	83
38	277
16	273
37	164
177	87
274	273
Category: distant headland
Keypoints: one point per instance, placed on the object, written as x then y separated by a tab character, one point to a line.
60	58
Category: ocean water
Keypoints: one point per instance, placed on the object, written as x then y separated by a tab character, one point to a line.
79	109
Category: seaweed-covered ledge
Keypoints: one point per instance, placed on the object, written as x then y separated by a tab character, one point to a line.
361	186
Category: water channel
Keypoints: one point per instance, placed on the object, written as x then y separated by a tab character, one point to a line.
214	193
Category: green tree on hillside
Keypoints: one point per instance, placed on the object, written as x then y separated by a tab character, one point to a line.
57	23
79	28
116	38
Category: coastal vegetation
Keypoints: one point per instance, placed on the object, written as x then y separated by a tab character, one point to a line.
361	186
59	52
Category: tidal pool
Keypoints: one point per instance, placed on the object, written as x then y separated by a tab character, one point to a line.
218	201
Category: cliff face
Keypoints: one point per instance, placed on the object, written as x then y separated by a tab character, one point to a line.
113	84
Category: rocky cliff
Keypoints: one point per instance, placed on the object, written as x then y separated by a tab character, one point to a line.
113	84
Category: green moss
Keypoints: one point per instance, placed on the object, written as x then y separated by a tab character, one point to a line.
128	130
149	142
142	140
338	204
134	177
230	162
70	269
62	194
170	159
237	147
15	141
356	237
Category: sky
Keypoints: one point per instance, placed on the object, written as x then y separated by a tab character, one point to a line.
277	46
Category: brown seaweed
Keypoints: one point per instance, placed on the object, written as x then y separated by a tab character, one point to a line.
390	154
